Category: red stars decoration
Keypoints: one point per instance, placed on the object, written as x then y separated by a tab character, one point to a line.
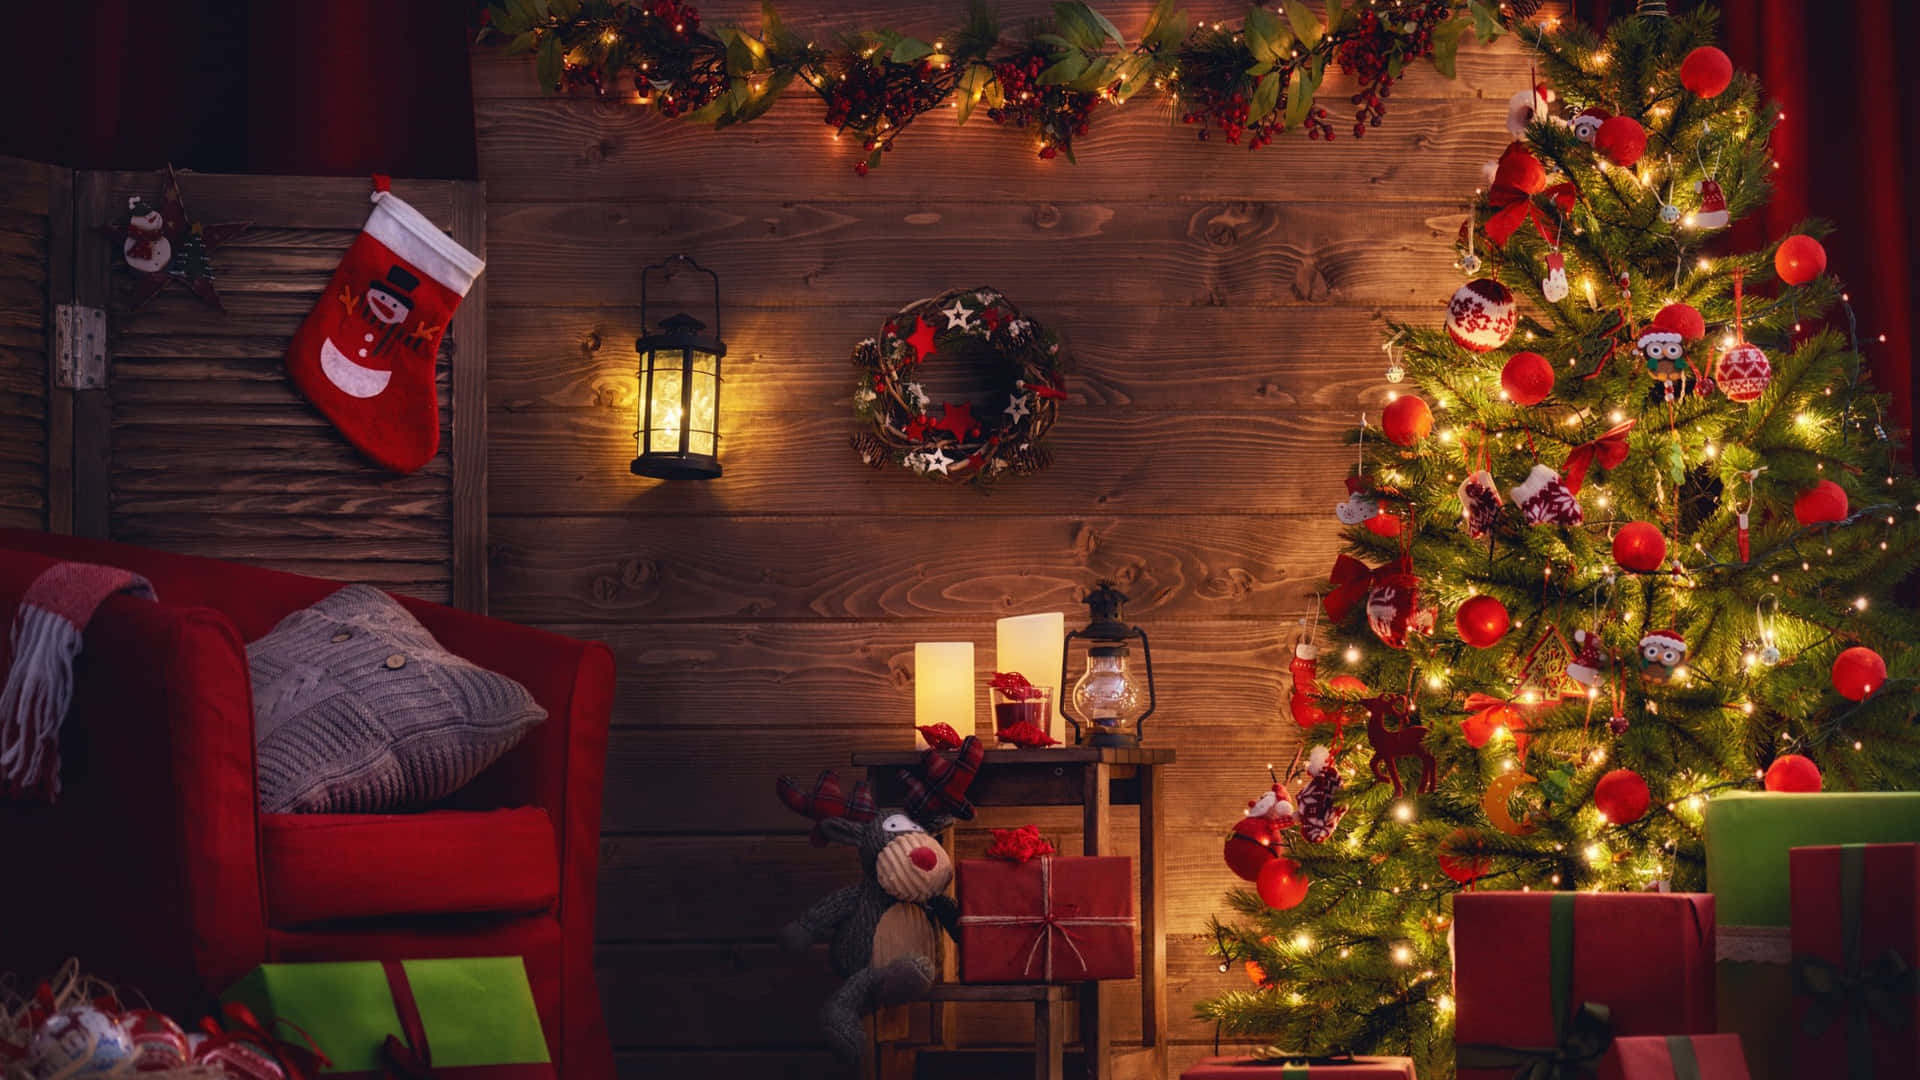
1622	796
1639	547
1482	621
1407	420
1706	72
1481	315
1793	773
1858	672
1621	140
1282	884
1822	504
1799	259
1527	378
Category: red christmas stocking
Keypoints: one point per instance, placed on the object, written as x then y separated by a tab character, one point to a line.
365	355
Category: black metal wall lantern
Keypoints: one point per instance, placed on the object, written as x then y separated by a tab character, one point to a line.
1105	704
679	432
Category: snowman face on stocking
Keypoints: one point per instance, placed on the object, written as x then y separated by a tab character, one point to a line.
1662	654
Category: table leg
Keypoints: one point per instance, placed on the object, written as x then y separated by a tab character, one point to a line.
943	1019
1096	838
1049	1040
1153	931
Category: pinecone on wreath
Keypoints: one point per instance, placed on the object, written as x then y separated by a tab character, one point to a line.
1030	459
871	450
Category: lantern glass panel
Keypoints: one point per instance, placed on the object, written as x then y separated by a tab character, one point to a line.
701	410
663	408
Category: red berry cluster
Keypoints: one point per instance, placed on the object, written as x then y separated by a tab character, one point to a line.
680	18
1058	112
877	99
1368	51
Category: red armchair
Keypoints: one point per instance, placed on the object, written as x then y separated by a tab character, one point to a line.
157	869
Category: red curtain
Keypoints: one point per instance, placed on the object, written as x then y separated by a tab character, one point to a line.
1847	152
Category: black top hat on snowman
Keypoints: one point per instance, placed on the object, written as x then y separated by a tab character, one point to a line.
395	294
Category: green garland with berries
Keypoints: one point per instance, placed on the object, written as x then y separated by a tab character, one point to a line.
1246	84
905	428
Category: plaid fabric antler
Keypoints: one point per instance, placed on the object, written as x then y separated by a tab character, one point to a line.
827	800
941	789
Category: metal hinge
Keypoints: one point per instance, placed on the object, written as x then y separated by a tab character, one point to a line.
80	347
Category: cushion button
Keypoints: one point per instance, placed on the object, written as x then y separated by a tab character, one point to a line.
396	662
340	637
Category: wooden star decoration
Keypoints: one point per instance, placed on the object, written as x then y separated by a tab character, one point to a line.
957	419
162	244
921	341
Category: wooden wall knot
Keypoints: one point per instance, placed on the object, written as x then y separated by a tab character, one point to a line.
600	151
638	573
605	590
1220	234
1085	541
1046	216
1309	283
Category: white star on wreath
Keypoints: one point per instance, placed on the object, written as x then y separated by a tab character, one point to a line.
939	462
919	396
1017	410
959	316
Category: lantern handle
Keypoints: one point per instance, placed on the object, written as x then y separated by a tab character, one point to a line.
1146	656
667	267
1066	658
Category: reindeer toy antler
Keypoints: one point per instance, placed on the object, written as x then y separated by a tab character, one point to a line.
885	930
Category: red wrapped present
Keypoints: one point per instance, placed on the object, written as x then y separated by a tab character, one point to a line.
1675	1057
1856	924
1343	1067
1550	978
1050	919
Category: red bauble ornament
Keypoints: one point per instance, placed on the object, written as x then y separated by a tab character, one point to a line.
1346	684
1461	857
1791	772
1799	259
1479	728
1621	140
1706	71
1407	420
1639	546
1622	796
1858	672
1822	504
1250	847
1482	621
1282	883
1527	378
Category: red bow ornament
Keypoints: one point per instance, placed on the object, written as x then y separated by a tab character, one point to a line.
1516	180
1608	451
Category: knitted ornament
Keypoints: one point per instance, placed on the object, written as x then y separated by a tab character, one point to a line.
1394	611
1306	712
158	1043
78	1041
1621	140
1319	815
1713	212
1587	122
1480	504
1481	315
1822	504
1527	378
366	354
1706	72
1661	654
1743	372
1544	500
1588	664
47	628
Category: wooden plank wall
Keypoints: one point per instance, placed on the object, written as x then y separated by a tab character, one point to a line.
212	450
1225	309
26	189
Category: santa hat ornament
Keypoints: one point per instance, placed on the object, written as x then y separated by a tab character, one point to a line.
1481	315
1274	806
1527	107
1588	664
1544	500
1713	206
1661	654
1587	122
1480	504
1663	344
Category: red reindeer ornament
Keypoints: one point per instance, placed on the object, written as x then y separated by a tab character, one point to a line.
1405	739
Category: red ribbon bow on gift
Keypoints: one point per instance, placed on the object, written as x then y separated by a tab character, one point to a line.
299	1062
1018	845
1353	579
407	1055
1609	450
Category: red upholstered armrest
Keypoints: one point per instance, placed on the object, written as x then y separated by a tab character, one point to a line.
156	822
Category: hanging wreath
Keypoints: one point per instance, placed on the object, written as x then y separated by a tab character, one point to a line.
947	440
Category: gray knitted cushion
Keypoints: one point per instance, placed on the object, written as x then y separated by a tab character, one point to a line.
356	709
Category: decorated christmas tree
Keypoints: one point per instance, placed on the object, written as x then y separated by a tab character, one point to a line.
1625	538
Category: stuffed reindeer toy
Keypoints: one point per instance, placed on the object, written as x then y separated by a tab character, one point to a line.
884	931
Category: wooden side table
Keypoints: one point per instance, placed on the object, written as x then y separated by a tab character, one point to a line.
1096	779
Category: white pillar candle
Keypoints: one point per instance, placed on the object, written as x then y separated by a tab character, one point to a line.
1033	646
943	690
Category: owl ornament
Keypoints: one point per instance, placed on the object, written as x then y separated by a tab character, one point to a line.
1662	654
1663	344
1587	122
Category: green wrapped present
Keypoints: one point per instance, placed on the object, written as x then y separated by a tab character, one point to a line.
1749	836
465	1019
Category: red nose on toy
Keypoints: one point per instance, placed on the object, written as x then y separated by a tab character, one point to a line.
924	858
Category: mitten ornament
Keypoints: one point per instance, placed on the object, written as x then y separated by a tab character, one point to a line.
1317	814
365	355
1480	504
1360	504
1554	286
1394	611
1544	500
